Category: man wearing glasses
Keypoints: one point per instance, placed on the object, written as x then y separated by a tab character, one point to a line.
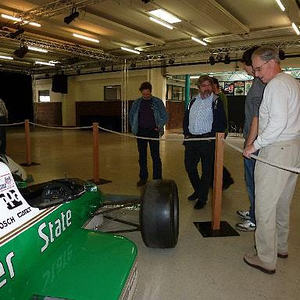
278	141
204	117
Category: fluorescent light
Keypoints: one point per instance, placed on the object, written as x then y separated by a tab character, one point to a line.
35	24
280	5
130	50
199	41
295	27
161	23
11	18
54	61
164	15
194	76
44	63
85	38
6	57
37	49
20	20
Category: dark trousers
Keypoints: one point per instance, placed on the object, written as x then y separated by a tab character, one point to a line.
154	150
2	136
194	152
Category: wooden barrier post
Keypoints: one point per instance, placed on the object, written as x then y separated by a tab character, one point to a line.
28	143
95	153
218	179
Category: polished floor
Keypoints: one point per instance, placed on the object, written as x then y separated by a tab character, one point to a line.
198	268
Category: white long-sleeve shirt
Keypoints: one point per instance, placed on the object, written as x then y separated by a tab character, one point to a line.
279	113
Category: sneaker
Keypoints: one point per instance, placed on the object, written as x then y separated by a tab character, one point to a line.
247	225
141	182
244	214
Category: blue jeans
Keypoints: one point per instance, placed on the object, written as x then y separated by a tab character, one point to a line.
249	165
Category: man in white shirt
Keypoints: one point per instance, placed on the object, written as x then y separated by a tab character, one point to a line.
278	141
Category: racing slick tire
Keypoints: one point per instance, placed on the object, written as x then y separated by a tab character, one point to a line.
159	214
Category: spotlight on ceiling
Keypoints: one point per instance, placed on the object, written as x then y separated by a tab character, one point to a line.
21	52
13	35
211	60
72	16
281	54
171	61
227	59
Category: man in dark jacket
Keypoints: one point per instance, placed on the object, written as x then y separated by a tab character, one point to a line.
204	117
147	118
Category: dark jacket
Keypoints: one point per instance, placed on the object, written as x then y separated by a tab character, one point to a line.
159	111
219	117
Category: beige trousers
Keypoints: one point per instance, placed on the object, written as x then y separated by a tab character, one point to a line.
274	190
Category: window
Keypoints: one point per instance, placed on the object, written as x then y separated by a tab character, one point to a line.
44	96
112	92
175	93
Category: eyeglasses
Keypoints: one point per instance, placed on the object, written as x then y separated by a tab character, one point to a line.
258	69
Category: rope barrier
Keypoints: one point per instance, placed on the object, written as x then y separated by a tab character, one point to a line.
291	169
61	128
12	124
156	139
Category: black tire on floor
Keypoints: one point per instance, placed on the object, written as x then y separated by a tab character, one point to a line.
159	216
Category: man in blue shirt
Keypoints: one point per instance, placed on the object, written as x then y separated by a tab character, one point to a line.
204	117
147	118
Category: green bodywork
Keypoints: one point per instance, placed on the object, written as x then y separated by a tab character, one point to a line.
77	264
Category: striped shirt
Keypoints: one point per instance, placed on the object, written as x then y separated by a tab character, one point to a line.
201	115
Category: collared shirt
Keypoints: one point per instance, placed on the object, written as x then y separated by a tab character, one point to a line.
201	115
279	113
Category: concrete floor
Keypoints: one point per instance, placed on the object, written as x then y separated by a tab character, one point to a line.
198	268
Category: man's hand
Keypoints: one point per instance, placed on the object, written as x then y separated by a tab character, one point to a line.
249	150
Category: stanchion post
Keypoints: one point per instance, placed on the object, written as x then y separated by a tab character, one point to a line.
218	179
95	152
28	143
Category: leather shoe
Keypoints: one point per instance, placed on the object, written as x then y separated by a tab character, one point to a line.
255	262
199	204
282	255
227	183
192	197
141	182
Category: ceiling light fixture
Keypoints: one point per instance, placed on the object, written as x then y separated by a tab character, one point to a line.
6	57
295	27
44	63
21	52
161	23
280	5
164	15
199	41
20	20
13	35
35	24
37	49
74	14
85	38
11	18
212	60
130	50
227	59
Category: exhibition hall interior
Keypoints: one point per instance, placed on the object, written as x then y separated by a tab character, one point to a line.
70	71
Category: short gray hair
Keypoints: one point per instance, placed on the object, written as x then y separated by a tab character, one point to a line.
267	53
